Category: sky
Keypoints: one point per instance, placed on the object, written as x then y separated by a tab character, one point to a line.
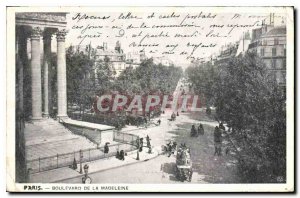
196	35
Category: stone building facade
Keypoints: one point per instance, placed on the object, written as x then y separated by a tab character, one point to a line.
269	42
32	73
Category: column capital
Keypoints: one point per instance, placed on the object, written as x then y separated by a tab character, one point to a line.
61	35
36	33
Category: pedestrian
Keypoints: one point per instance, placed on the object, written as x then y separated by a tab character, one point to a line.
193	131
148	141
106	149
221	126
169	148
174	146
201	129
145	121
177	113
208	111
173	117
150	149
118	154
74	164
86	170
218	141
215	139
158	121
122	155
198	130
141	144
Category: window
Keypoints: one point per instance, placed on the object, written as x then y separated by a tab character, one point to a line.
262	52
264	42
273	62
276	41
284	63
274	51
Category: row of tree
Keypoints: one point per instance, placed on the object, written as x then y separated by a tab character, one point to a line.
248	98
148	78
88	77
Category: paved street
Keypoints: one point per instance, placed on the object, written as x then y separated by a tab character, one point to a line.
207	167
158	170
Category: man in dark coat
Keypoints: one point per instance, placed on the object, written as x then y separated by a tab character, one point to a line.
200	130
141	144
218	141
148	141
193	131
122	155
221	126
106	149
158	121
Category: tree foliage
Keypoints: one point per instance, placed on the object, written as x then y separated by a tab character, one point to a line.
83	84
149	78
80	85
202	77
249	100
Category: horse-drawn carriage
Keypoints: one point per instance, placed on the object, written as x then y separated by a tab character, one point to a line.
184	169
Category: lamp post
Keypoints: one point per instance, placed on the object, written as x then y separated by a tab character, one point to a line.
86	170
81	156
138	149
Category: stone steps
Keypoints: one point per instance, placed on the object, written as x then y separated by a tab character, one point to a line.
48	137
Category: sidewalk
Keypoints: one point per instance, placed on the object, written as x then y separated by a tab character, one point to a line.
65	173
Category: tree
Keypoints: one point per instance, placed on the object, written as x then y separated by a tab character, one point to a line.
153	78
105	77
79	84
148	79
247	98
127	82
202	77
250	101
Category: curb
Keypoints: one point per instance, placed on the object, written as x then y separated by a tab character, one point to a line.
134	162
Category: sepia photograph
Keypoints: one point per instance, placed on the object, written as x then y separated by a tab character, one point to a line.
150	99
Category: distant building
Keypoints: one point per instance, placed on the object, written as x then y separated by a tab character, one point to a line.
269	42
227	52
163	61
244	43
115	57
134	59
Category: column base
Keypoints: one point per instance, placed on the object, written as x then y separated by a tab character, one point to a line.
45	115
62	117
36	118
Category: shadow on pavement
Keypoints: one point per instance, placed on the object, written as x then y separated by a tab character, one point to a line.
213	169
201	116
169	168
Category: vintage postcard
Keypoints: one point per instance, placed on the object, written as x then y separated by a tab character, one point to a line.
150	99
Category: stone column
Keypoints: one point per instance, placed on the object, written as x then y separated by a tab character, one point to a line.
61	74
22	62
47	56
36	87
